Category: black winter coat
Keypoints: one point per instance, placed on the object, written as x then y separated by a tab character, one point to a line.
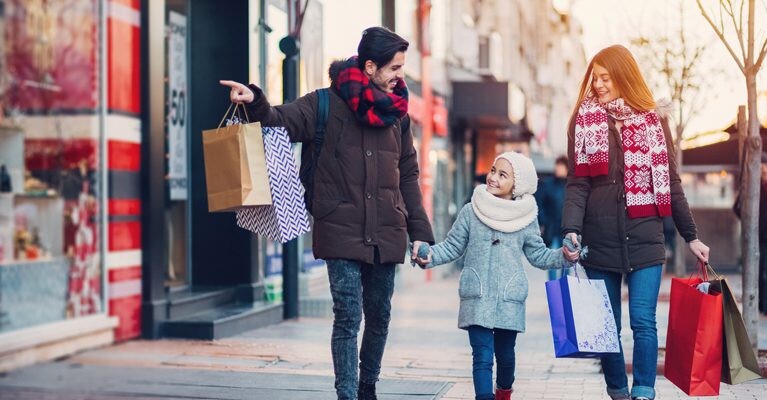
366	194
596	208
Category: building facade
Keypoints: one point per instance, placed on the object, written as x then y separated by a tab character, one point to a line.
536	49
104	229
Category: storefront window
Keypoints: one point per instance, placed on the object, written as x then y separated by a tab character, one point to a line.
51	265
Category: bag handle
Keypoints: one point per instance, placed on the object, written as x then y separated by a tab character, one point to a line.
226	114
234	112
703	268
711	270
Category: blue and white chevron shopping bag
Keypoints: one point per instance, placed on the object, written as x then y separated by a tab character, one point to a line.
286	218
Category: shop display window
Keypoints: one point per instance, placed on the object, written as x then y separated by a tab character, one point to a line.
50	162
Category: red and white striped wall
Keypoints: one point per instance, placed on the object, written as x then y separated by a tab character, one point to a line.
123	137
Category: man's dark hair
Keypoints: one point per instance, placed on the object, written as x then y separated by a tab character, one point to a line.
561	160
379	45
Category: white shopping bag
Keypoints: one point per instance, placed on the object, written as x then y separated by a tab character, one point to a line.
582	321
286	218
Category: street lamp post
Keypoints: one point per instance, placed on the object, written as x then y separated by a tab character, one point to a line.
290	46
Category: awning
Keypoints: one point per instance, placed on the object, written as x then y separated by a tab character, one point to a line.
483	105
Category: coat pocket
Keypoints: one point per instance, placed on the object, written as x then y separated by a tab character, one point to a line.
516	288
323	208
469	286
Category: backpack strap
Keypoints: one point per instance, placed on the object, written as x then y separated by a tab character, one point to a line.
323	109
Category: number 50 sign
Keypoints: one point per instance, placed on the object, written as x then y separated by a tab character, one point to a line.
177	114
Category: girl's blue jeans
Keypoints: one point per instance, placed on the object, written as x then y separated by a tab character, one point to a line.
643	285
485	343
359	288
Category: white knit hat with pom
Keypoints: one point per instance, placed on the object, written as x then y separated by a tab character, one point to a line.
525	177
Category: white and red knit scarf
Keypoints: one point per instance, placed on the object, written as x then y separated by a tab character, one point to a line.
646	168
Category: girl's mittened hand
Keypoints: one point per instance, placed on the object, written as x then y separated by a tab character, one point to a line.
424	256
424	251
239	93
572	241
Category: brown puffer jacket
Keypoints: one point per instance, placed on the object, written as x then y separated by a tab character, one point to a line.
366	193
596	208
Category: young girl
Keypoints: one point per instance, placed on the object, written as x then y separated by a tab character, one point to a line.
495	231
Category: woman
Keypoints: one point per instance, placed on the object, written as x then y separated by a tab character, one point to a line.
623	180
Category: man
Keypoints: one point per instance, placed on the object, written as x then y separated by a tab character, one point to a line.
366	199
551	198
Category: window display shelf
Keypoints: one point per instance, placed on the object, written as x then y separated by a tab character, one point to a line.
31	220
45	259
33	292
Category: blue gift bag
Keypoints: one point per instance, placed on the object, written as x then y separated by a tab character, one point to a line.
582	322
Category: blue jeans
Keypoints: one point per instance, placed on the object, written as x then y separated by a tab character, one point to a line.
643	285
356	288
485	343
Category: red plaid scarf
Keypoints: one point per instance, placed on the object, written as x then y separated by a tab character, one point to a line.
371	105
646	169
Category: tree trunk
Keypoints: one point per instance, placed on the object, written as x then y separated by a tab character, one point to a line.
750	216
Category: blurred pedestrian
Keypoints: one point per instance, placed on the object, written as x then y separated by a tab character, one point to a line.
366	198
495	232
623	180
551	198
762	233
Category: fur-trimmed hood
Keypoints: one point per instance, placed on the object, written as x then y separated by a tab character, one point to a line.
334	70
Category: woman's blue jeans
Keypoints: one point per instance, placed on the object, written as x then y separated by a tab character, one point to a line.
359	288
485	343
643	285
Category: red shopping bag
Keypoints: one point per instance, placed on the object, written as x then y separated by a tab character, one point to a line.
694	338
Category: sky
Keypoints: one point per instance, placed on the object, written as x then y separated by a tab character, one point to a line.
607	22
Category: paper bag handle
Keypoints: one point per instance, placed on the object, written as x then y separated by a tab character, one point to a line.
234	112
704	269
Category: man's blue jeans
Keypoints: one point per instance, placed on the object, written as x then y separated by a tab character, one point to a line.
643	285
485	343
356	288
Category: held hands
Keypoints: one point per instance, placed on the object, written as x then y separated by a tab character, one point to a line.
699	249
420	254
239	93
571	247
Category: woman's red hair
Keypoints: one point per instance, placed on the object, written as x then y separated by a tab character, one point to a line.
625	75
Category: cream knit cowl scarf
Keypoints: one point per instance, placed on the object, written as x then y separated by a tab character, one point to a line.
501	214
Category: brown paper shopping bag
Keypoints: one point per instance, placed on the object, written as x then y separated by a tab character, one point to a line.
235	166
738	359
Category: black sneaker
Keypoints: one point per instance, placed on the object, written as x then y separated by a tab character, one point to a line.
366	391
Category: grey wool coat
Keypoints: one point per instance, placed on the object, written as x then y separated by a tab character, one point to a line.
493	284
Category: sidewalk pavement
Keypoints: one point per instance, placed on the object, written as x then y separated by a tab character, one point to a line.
427	357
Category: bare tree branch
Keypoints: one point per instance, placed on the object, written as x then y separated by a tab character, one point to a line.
720	34
738	24
762	52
